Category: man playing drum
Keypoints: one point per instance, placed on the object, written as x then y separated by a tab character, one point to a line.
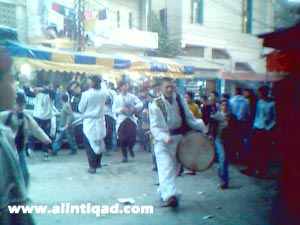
170	118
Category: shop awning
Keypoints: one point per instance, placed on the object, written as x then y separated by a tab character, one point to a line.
287	57
287	61
71	61
288	38
7	33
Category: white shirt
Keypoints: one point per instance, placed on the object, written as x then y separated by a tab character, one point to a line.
123	101
43	107
91	105
108	108
160	126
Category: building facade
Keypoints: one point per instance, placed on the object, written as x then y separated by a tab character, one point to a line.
216	36
14	15
220	31
120	26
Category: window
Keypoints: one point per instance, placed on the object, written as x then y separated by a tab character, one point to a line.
163	17
130	20
118	18
247	16
8	15
242	66
197	11
124	19
102	14
194	51
220	54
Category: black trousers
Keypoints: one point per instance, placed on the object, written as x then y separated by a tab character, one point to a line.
46	126
110	127
261	147
127	136
127	133
93	158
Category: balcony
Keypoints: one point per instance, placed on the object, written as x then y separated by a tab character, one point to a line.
104	36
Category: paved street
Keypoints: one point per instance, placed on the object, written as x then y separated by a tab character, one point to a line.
65	180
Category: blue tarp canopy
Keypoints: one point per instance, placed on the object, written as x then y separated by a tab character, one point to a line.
7	33
72	61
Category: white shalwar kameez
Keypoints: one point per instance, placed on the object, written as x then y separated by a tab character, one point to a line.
91	105
165	153
124	101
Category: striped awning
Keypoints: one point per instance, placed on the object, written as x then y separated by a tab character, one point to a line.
71	61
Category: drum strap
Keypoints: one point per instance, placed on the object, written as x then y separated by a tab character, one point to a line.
8	120
162	108
184	128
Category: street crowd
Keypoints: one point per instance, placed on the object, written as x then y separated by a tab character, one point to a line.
241	128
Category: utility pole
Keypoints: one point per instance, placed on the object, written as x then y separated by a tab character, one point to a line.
79	43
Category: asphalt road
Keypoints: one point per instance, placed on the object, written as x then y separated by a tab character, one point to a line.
64	179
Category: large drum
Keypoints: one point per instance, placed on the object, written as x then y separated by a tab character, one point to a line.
195	151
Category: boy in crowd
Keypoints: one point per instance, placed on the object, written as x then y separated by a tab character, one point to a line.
65	128
225	123
26	125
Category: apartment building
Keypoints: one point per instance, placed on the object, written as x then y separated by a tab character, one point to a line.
121	26
13	15
220	31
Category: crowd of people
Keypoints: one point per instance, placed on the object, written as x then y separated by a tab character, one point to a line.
118	118
240	127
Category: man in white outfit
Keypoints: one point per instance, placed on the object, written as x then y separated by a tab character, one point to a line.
42	113
125	105
170	118
91	105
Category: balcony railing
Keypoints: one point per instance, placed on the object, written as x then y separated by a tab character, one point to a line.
103	32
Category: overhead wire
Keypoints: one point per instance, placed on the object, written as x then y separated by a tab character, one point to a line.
240	12
214	37
231	9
